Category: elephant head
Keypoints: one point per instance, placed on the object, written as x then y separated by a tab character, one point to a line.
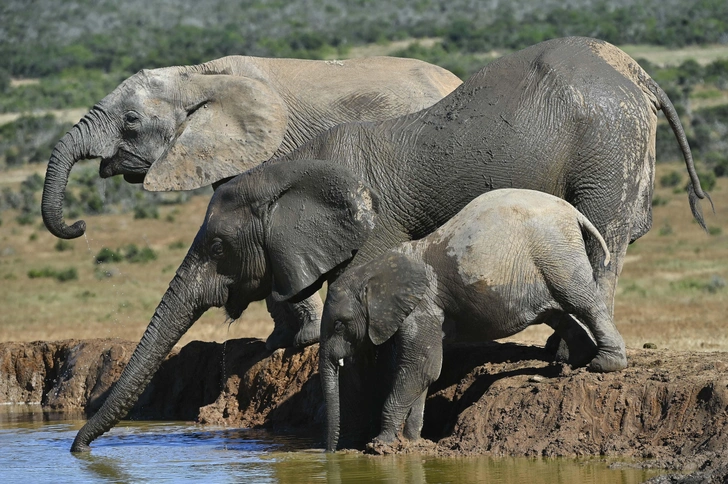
278	229
366	304
180	128
174	128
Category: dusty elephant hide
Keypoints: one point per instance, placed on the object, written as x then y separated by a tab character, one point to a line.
499	399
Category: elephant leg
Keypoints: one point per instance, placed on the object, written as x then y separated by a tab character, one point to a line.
574	287
419	363
415	419
587	304
571	342
577	338
296	324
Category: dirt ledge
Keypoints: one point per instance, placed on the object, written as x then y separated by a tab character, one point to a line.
498	399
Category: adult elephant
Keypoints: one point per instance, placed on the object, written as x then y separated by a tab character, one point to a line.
180	128
575	117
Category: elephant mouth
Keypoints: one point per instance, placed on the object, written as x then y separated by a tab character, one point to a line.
133	167
234	309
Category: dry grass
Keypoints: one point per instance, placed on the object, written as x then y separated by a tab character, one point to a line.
663	56
117	307
663	295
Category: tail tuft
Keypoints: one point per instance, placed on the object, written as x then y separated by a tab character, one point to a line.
695	207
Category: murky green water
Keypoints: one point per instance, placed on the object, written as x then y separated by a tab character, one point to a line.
34	449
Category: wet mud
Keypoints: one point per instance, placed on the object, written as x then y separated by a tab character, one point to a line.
668	409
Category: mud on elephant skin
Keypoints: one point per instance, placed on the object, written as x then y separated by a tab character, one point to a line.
180	128
511	258
360	189
272	231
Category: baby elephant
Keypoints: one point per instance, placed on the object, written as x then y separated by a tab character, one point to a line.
509	259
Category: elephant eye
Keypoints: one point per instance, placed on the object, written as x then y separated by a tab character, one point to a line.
216	249
339	326
131	118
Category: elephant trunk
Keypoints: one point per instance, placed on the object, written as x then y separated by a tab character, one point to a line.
330	380
172	318
74	146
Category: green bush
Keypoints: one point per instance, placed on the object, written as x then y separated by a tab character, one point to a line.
60	275
672	179
25	219
63	245
146	210
107	255
134	254
130	253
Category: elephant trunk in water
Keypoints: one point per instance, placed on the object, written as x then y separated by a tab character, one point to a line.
330	381
173	317
76	145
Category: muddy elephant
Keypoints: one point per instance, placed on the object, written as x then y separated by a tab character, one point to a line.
511	258
573	117
181	128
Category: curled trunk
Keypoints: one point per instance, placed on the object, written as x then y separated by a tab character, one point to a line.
74	146
171	320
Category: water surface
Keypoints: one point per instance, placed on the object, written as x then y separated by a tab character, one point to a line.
34	448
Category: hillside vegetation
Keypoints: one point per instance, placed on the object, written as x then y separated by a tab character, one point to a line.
59	58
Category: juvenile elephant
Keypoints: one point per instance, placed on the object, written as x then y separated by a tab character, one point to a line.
180	128
511	258
573	117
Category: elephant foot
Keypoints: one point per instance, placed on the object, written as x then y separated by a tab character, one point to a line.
609	360
382	444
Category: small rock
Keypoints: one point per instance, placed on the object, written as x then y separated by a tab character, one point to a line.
536	379
649	346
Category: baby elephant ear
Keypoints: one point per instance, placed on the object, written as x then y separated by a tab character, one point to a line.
397	284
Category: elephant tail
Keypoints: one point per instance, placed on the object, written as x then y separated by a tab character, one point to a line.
695	191
587	226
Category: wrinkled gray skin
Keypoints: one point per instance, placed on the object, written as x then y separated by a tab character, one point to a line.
573	117
181	128
511	258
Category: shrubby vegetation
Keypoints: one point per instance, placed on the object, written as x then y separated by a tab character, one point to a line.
81	50
62	275
87	194
130	253
29	139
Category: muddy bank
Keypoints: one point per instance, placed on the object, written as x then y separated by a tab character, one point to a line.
499	399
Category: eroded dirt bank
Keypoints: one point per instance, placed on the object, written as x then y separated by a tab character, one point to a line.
500	399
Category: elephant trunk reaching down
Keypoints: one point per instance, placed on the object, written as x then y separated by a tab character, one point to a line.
171	320
76	145
330	380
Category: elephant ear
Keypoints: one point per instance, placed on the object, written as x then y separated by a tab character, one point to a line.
398	283
319	220
236	123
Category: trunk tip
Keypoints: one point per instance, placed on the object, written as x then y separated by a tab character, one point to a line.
79	447
65	232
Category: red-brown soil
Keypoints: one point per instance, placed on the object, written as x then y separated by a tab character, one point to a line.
668	407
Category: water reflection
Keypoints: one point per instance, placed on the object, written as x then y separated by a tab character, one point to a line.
35	449
355	468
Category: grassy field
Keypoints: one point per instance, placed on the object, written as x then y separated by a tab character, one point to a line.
671	292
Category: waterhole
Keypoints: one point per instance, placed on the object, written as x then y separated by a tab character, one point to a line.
35	449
